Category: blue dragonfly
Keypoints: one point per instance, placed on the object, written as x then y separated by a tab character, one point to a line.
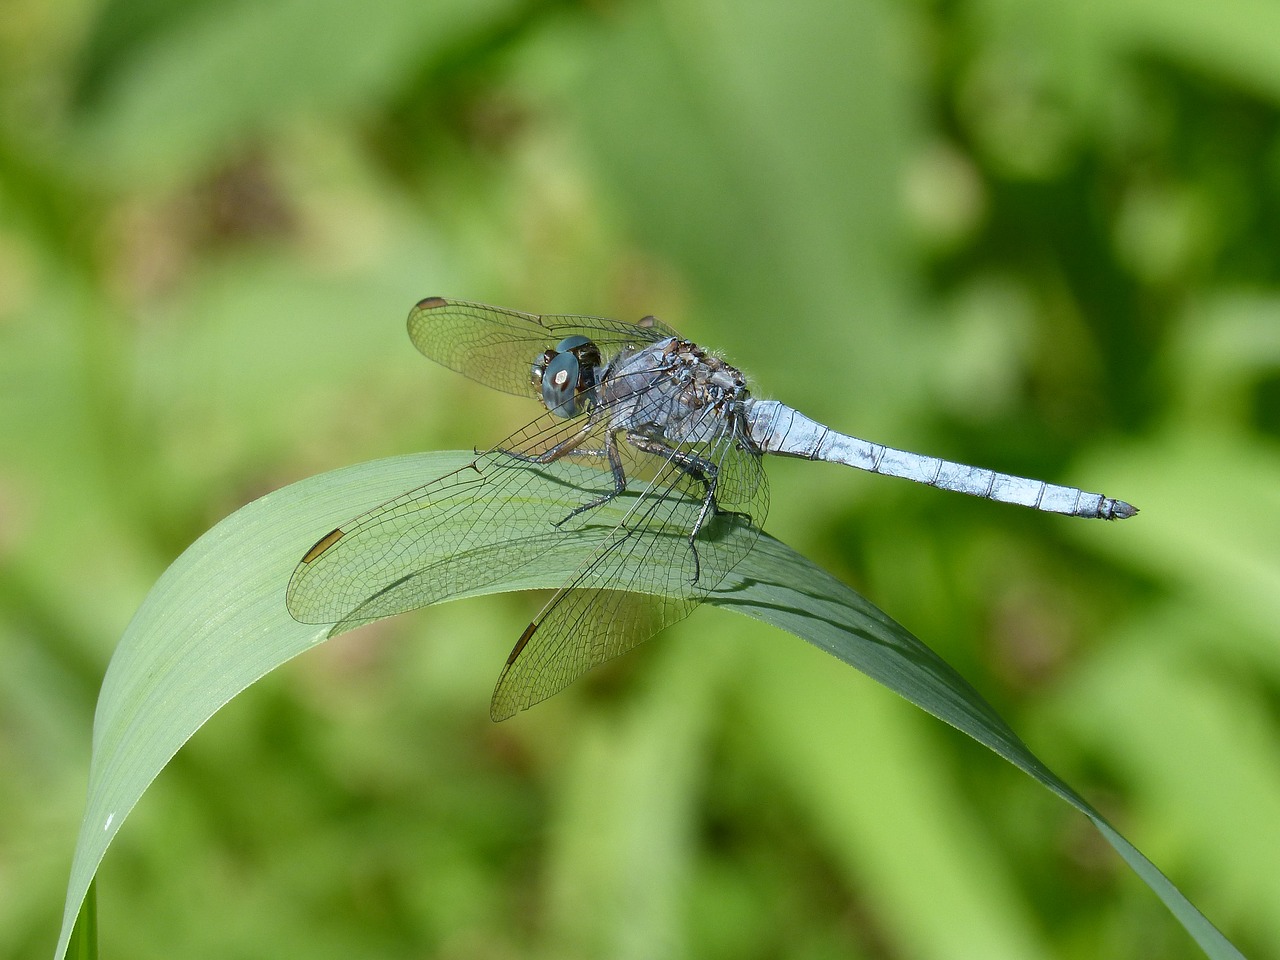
638	420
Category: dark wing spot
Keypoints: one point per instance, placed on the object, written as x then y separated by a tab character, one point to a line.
520	644
323	544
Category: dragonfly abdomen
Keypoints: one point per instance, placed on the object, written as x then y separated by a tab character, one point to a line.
779	429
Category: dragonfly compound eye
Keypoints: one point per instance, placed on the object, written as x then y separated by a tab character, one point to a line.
566	376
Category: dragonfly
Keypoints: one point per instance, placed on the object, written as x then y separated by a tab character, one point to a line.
645	469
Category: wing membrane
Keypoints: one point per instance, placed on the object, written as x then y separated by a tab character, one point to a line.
460	531
643	577
529	496
497	346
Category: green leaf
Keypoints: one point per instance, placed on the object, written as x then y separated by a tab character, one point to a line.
84	936
216	621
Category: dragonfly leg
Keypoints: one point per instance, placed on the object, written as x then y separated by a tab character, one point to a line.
561	449
692	465
610	452
570	445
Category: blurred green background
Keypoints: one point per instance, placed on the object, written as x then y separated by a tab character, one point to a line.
1041	238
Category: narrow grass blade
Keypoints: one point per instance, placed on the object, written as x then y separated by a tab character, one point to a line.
216	621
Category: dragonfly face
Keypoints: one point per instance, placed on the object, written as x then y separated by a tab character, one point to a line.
565	376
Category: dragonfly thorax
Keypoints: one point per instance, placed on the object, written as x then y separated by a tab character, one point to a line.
674	392
565	376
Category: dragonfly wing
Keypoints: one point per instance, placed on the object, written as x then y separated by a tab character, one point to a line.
643	577
497	346
461	531
551	655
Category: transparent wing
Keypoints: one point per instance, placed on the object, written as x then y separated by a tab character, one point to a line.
545	489
497	346
646	574
458	532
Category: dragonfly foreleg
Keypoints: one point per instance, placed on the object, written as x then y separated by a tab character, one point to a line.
561	449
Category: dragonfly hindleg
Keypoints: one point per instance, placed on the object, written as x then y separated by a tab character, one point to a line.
690	464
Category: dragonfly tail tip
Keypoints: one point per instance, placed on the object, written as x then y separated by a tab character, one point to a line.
1120	510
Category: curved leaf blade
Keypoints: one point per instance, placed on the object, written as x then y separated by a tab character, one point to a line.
803	599
216	621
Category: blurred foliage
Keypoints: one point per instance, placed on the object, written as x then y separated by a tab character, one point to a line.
1036	237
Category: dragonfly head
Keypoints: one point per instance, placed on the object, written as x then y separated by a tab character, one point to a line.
565	376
